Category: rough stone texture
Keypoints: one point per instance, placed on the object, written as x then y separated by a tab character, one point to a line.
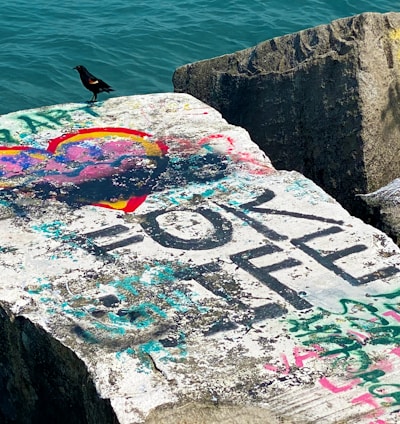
157	244
384	204
212	413
42	381
323	101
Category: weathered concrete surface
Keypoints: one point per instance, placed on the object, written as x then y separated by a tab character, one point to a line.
323	101
227	291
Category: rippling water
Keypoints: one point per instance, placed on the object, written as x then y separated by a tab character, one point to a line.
136	45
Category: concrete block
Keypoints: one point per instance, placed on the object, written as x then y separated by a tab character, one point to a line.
155	267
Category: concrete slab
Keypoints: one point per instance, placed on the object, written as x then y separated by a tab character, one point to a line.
195	282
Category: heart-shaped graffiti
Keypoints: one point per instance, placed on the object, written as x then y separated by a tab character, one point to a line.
109	167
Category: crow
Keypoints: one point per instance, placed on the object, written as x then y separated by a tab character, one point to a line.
93	84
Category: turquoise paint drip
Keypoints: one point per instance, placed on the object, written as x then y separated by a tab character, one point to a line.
42	286
174	201
208	193
138	316
153	346
146	349
34	291
77	297
208	148
118	320
166	274
298	185
54	230
305	188
222	188
234	202
182	344
127	284
51	229
46	300
78	313
147	318
163	273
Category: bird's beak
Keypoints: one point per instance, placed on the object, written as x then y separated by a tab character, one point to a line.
75	67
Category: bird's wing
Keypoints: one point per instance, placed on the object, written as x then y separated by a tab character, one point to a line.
93	81
103	84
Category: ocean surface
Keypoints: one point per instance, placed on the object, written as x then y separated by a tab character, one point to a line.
136	45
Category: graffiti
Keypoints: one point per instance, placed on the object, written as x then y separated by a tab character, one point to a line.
45	120
35	121
220	234
300	355
87	239
6	137
108	167
208	244
162	349
299	360
221	231
139	308
115	168
352	340
368	326
146	299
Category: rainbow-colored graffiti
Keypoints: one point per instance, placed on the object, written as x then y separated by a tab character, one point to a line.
117	168
109	167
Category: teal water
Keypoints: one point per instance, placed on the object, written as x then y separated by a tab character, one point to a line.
136	45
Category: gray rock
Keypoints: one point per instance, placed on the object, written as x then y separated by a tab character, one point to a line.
323	101
41	380
388	195
385	204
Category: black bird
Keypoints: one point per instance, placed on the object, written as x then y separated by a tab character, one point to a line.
93	84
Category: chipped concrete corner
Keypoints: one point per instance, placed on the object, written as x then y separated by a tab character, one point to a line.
193	280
